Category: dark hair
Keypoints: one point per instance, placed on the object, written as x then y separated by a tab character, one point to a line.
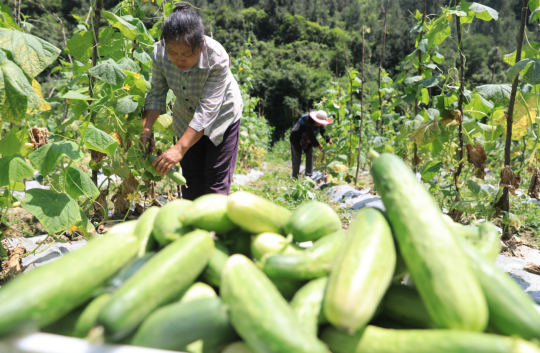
184	24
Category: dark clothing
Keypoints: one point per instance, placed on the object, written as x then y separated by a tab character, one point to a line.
305	133
208	168
303	138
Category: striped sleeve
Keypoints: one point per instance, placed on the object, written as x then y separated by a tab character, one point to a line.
157	97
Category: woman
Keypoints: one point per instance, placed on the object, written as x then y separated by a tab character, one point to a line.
304	137
208	108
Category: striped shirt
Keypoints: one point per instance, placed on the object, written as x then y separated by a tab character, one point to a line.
207	95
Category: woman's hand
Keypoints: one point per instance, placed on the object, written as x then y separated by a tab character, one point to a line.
330	142
168	159
146	136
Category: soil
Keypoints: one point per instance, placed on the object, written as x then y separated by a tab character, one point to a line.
23	223
13	265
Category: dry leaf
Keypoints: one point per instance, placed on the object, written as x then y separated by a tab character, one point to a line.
532	268
509	180
534	188
129	186
97	156
477	157
13	265
39	136
100	201
452	118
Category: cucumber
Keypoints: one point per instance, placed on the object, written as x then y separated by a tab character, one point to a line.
238	242
48	293
271	243
255	214
401	268
363	268
307	304
511	311
175	326
312	221
88	317
196	291
64	326
144	227
486	238
160	281
379	340
173	174
437	264
212	272
404	305
311	263
209	212
259	313
286	287
237	347
167	225
127	271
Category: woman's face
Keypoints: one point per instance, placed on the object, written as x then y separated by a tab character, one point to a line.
182	55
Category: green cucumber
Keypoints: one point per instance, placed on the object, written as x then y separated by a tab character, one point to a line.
307	304
379	340
167	225
175	326
238	242
363	268
64	326
212	272
259	313
311	263
271	243
209	212
404	305
486	238
48	293
88	317
144	228
511	311
401	268
437	264
160	281
286	287
237	347
173	174
255	214
312	221
197	291
127	271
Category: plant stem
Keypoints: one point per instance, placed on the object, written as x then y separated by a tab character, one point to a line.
349	160
504	202
361	110
415	158
380	66
460	104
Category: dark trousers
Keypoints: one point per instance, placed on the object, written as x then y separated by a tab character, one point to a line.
208	168
297	160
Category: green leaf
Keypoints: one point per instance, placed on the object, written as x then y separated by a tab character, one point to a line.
14	169
125	105
478	107
109	72
47	157
137	86
535	15
142	56
164	123
128	65
438	32
482	12
430	170
438	58
98	140
72	95
31	53
412	80
55	211
78	183
80	45
143	35
6	19
432	82
85	227
477	189
14	143
409	126
498	94
471	207
531	49
529	68
126	28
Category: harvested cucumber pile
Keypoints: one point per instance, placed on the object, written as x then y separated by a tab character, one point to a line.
225	274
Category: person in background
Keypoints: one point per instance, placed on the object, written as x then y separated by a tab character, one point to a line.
304	137
208	108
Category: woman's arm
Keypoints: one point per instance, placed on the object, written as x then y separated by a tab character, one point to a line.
173	155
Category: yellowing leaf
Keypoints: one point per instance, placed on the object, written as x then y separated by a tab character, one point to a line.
37	88
524	115
426	133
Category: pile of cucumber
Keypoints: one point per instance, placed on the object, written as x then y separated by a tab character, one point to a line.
226	274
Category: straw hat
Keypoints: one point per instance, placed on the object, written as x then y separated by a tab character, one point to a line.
320	117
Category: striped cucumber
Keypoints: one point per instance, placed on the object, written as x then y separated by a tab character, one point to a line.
48	293
209	212
175	326
271	243
197	291
212	272
511	311
160	281
311	263
255	214
437	264
127	271
404	305
88	317
379	340
167	225
259	313
312	221
363	268
307	304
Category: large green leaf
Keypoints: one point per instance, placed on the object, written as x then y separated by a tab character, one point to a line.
31	53
108	72
98	140
47	157
409	126
482	12
529	69
430	170
77	96
78	183
6	20
128	65
125	105
479	190
142	56
15	143
432	82
55	211
14	169
80	45
143	35
412	80
439	31
531	49
478	107
126	28
498	94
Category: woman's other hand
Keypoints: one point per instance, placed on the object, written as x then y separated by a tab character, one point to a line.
146	136
168	159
